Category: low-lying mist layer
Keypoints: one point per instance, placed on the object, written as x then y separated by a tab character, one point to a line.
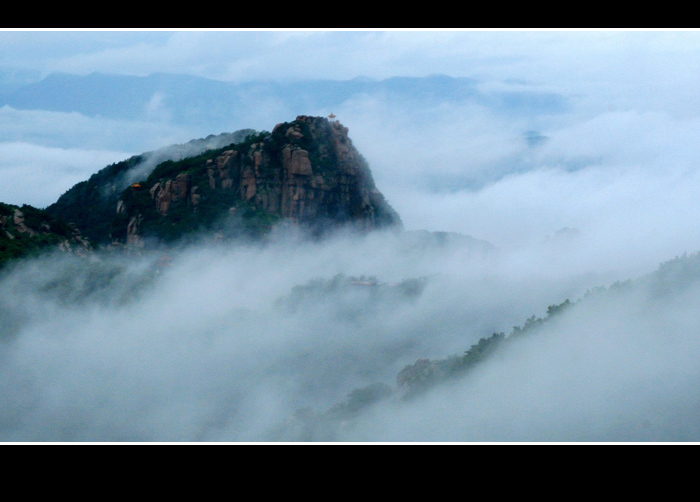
619	365
236	342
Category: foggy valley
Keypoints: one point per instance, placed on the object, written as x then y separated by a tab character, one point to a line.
519	262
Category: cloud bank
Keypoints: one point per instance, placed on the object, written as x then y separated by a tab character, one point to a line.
599	191
207	349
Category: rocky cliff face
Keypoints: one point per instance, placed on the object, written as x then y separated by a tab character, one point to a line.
306	172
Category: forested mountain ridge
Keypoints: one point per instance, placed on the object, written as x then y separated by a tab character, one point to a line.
306	172
90	204
27	231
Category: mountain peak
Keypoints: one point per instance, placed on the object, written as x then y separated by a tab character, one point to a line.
305	172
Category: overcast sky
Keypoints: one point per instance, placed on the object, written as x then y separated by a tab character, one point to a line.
574	57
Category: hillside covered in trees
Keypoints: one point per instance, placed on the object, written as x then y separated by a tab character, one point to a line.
27	231
306	172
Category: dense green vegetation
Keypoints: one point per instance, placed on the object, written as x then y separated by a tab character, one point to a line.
43	231
91	204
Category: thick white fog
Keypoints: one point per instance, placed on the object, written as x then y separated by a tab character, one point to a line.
618	368
209	344
208	348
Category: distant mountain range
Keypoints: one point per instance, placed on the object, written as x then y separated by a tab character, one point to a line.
195	100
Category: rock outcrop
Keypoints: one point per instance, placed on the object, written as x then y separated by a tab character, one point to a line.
306	172
27	230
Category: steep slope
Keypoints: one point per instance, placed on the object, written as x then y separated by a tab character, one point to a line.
306	173
90	204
